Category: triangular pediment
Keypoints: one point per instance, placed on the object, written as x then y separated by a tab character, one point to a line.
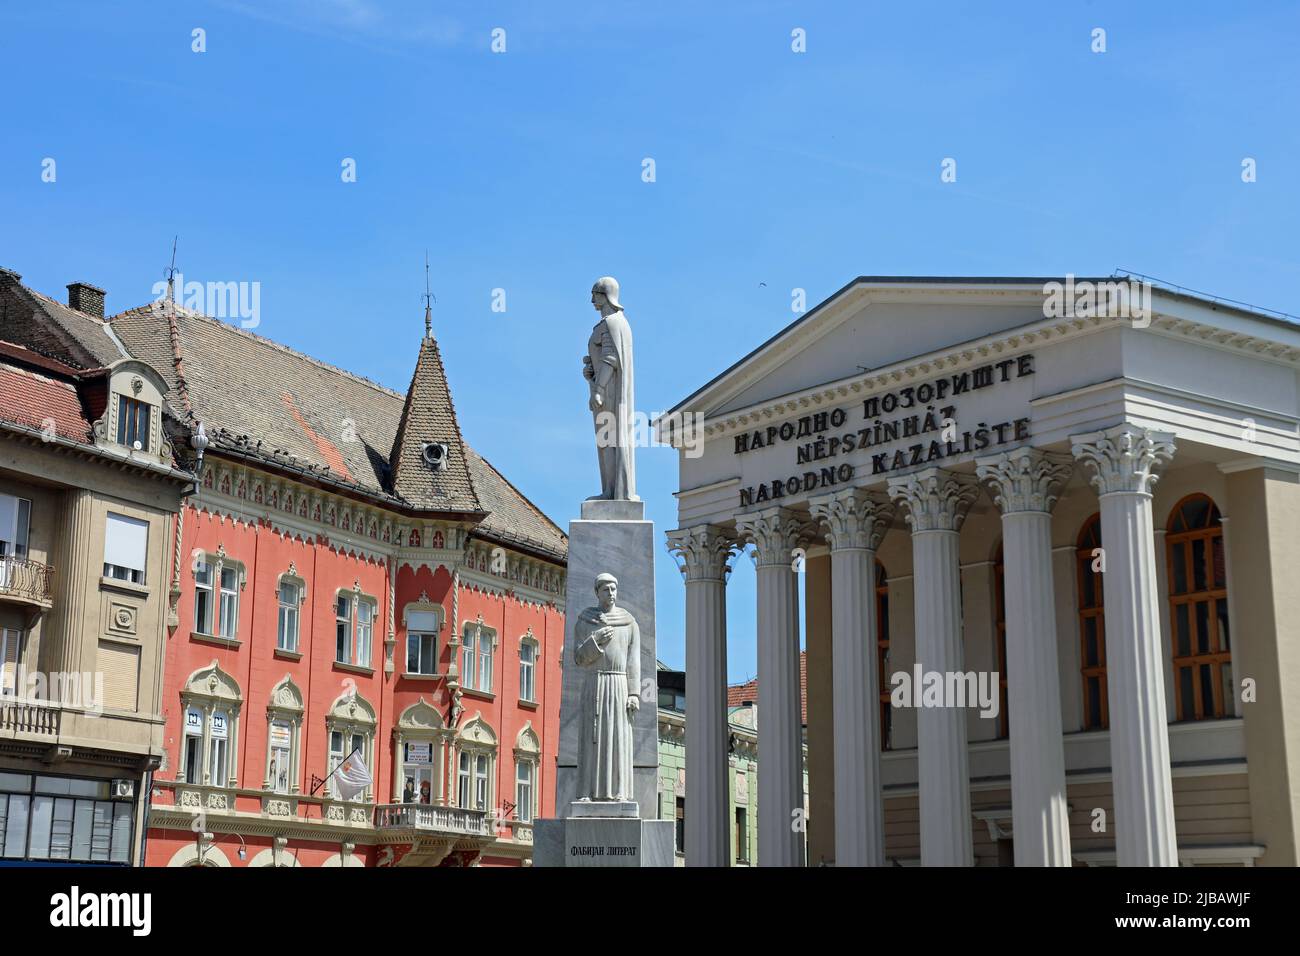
870	324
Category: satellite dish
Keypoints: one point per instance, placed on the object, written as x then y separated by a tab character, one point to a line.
434	455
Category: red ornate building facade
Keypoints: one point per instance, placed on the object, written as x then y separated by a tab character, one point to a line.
350	579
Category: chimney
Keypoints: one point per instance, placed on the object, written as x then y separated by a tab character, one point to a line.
87	298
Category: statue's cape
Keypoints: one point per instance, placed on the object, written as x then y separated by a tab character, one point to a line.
595	617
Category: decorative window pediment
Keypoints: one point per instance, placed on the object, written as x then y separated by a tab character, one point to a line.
420	717
212	683
477	734
527	743
352	708
285	697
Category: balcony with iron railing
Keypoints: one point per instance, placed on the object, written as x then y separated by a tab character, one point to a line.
431	819
25	581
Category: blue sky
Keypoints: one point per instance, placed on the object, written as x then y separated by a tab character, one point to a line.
522	171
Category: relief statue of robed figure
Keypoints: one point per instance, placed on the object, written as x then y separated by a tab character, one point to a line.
608	642
607	367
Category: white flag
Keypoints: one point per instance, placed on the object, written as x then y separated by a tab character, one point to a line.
352	777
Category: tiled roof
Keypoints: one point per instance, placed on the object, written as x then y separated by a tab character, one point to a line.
738	695
262	400
39	399
429	416
43	325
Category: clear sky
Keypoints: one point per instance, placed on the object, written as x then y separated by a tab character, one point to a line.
523	171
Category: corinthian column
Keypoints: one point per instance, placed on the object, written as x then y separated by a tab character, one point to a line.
1123	461
937	502
705	551
1024	484
855	521
775	533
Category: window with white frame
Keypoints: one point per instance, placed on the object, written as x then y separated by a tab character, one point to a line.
528	668
126	543
475	765
350	726
133	418
229	613
472	783
354	622
203	604
528	760
218	747
524	785
281	742
211	703
192	753
15	516
417	770
284	722
479	646
422	754
11	657
422	628
218	582
290	595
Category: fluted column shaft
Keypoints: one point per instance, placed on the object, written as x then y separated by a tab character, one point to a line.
937	502
1123	461
78	564
705	551
1024	484
854	522
775	534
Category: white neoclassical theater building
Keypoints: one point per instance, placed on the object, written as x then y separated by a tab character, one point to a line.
1086	496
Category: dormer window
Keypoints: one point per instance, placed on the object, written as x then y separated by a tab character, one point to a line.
133	423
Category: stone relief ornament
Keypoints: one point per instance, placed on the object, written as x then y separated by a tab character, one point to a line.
608	642
607	367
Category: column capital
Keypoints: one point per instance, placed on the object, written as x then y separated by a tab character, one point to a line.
852	518
705	550
936	499
1124	457
774	533
1024	479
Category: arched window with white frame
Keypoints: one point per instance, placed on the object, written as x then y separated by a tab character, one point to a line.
210	706
284	712
476	756
291	594
422	739
528	760
529	654
478	656
423	622
349	729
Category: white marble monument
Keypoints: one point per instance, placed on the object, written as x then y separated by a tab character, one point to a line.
608	763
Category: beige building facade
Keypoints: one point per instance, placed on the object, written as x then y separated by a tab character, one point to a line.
89	495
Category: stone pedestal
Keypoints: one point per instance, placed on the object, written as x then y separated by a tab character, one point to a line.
611	536
603	842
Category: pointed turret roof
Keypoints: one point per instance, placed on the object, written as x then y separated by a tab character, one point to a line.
429	417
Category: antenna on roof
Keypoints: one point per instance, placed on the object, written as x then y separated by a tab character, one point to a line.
429	299
171	274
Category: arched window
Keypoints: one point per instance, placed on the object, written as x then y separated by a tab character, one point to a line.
284	732
350	728
528	758
476	765
1000	639
422	741
210	705
1198	598
1092	625
882	655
